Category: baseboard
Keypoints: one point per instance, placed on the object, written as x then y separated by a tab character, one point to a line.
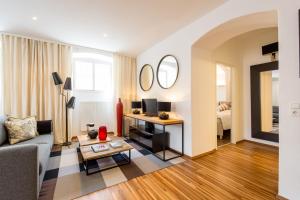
280	197
200	155
268	145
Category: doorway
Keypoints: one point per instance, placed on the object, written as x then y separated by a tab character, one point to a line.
224	104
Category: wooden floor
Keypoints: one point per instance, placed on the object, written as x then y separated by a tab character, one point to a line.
243	171
226	138
224	141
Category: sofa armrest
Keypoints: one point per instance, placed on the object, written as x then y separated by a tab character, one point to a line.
44	127
19	172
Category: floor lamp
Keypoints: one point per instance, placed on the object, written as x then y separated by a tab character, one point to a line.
69	103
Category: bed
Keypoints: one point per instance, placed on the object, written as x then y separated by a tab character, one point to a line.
223	122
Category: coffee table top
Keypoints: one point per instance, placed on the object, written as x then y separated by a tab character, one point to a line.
89	154
86	140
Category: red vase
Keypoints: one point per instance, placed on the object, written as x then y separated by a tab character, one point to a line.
102	134
119	117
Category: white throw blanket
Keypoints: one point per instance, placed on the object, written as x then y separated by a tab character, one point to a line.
225	117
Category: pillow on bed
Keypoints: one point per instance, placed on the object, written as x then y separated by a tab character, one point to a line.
223	107
228	103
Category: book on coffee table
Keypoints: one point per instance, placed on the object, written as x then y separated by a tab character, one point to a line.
99	147
116	144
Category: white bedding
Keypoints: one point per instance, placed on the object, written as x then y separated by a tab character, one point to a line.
225	117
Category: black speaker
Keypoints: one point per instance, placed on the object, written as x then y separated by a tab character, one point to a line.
149	127
270	48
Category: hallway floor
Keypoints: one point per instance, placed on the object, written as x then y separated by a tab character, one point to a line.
225	140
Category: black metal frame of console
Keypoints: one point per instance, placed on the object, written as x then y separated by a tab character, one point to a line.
86	163
163	158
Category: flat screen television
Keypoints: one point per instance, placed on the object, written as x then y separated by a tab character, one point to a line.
149	107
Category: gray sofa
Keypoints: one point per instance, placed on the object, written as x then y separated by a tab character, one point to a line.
23	165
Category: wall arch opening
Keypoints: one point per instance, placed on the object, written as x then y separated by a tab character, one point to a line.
218	46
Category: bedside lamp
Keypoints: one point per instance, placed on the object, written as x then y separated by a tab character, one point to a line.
136	105
164	107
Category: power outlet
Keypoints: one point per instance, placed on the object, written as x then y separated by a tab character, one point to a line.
295	109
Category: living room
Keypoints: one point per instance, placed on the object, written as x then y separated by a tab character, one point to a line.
115	100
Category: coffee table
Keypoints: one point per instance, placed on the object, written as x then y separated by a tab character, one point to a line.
89	155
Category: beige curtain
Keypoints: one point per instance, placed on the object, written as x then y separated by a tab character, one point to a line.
125	84
125	80
28	85
1	80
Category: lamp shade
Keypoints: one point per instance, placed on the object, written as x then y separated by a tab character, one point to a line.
56	78
68	84
136	104
164	106
71	103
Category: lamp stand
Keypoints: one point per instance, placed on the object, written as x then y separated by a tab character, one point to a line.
67	86
66	143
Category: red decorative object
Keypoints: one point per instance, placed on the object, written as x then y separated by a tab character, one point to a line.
119	117
102	134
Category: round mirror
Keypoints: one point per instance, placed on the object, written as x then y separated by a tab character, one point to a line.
146	77
167	71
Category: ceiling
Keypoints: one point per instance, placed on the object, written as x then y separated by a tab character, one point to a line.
130	27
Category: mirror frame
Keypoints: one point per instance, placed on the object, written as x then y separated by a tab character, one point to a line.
141	76
255	101
158	71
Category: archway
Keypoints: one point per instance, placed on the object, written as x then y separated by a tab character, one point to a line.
203	74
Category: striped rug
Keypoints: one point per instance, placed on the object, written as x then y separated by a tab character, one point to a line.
65	177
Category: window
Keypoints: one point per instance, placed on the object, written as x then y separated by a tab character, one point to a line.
92	72
221	76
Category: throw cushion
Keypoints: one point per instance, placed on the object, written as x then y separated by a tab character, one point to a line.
20	129
44	127
30	118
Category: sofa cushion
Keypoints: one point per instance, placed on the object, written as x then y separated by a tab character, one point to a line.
45	143
44	127
41	139
30	119
43	157
3	134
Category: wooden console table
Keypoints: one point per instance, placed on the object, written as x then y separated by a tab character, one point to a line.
163	123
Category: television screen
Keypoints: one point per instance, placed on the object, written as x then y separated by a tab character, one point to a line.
149	107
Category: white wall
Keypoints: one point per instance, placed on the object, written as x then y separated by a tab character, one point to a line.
179	94
204	120
180	44
289	145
